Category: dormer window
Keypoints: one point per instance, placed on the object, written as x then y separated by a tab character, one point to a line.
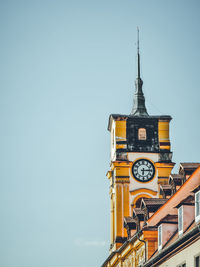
182	265
180	220
142	134
197	206
160	237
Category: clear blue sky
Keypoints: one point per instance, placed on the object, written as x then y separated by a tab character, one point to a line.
65	66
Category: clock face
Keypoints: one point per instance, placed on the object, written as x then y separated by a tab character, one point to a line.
143	170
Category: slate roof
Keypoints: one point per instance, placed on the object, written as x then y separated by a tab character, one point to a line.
167	189
187	168
129	219
153	201
130	222
137	211
190	165
152	204
177	178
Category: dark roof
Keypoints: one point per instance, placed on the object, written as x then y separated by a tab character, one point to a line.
177	178
152	204
167	189
130	222
149	228
187	201
166	186
129	219
197	188
190	165
137	211
153	201
169	219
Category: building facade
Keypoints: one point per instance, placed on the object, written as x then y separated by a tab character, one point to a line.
142	186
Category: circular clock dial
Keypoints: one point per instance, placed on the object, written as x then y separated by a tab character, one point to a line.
143	170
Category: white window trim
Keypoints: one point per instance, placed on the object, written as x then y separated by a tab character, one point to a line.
160	231
180	210
197	218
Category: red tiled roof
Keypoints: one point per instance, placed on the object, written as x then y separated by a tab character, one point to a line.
176	235
185	190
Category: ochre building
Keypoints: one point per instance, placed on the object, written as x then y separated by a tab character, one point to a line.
152	211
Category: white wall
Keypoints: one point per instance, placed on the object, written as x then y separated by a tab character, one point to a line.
186	255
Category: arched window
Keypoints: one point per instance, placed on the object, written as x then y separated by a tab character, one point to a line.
142	134
138	202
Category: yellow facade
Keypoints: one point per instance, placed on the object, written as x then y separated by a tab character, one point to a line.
163	133
122	198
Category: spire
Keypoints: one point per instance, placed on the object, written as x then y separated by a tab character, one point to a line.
139	108
138	52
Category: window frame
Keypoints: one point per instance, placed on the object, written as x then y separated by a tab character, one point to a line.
159	237
197	206
180	220
142	134
195	257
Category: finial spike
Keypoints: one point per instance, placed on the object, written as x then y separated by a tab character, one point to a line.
138	42
138	52
139	108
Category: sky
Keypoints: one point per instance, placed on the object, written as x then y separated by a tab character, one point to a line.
65	66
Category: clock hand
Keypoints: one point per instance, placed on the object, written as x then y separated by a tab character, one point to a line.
143	170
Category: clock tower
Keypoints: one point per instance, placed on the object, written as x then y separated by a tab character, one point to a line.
140	159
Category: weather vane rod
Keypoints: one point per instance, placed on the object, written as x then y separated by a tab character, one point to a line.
138	43
138	53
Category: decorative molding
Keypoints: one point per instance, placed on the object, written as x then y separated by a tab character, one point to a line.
143	190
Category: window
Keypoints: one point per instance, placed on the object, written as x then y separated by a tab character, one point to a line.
197	206
182	265
142	134
197	261
159	237
180	220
